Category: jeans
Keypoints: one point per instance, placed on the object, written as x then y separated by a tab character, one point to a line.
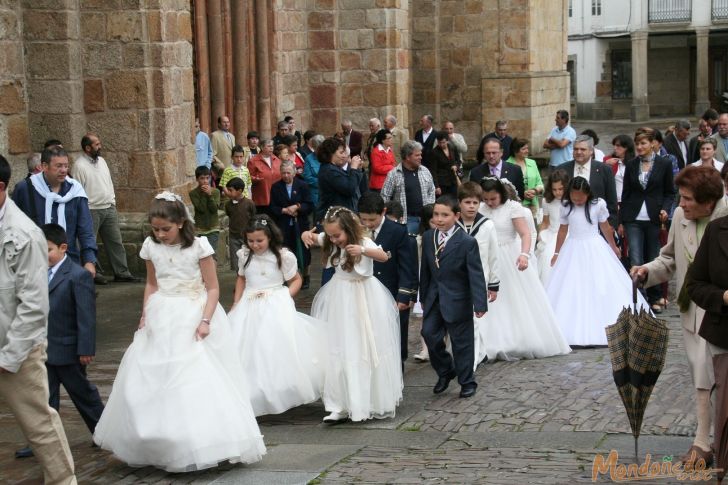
213	238
644	246
235	244
413	224
106	226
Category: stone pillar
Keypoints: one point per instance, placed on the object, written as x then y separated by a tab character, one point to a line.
202	67
217	59
524	78
640	110
241	70
54	69
263	67
14	133
324	64
702	97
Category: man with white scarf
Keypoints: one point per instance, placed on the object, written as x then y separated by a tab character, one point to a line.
53	196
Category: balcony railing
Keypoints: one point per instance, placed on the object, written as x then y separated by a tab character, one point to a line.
661	11
720	10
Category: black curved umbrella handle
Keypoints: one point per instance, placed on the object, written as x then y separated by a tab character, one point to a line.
635	284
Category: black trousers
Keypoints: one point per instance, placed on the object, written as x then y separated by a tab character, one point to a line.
462	339
84	395
404	331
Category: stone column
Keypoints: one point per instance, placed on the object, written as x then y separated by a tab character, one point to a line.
217	59
702	97
202	65
640	105
240	70
54	69
14	139
262	64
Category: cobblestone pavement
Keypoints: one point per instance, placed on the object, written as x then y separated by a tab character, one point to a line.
537	421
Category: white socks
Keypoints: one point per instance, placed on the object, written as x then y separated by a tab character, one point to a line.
704	411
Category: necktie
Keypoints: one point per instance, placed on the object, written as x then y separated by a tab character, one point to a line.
374	235
580	170
50	274
494	171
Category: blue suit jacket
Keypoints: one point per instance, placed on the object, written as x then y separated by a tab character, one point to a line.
72	314
458	282
399	274
339	187
79	224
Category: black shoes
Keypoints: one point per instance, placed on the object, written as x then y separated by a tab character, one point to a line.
100	280
126	279
466	392
306	283
442	383
24	452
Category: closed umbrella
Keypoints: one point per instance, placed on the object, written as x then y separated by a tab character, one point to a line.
637	348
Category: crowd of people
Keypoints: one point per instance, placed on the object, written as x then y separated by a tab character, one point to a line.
503	260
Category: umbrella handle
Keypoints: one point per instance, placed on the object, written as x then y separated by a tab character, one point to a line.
635	284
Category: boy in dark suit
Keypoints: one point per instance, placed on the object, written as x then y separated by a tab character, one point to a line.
452	288
399	273
71	329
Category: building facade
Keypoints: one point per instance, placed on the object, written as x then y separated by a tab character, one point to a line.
642	58
137	72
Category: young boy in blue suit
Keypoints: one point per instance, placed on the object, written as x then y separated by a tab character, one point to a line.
71	329
452	288
399	273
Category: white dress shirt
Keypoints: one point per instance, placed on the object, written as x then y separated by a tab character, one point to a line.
583	170
54	268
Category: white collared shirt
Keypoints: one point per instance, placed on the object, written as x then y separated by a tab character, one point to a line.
426	135
496	170
375	232
585	170
2	212
55	267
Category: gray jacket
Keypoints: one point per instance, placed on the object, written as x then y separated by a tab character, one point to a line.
23	287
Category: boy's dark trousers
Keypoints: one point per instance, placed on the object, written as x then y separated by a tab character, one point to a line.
462	338
85	396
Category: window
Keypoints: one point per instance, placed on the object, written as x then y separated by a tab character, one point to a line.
571	69
621	74
596	7
571	7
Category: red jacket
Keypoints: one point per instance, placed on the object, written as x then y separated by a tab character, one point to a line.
381	162
263	177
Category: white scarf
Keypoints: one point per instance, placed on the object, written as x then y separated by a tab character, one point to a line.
40	185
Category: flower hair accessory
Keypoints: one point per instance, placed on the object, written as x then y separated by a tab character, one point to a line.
333	211
172	197
263	222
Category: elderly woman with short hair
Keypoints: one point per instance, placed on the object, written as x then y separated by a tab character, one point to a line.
701	200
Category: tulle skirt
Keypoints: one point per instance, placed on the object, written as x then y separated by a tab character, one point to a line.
520	324
177	403
544	252
283	352
364	373
588	288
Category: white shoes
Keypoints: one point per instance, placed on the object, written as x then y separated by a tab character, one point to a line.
423	356
336	417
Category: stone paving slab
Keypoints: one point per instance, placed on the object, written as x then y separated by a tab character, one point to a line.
255	477
362	436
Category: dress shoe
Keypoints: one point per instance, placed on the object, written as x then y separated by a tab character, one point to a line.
336	417
467	391
24	452
690	459
422	356
442	383
100	280
126	279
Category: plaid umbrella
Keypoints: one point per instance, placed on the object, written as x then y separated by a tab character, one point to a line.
637	348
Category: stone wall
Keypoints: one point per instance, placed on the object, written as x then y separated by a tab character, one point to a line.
14	139
479	61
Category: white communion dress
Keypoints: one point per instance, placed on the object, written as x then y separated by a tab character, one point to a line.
364	373
520	324
588	286
547	239
283	352
178	403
